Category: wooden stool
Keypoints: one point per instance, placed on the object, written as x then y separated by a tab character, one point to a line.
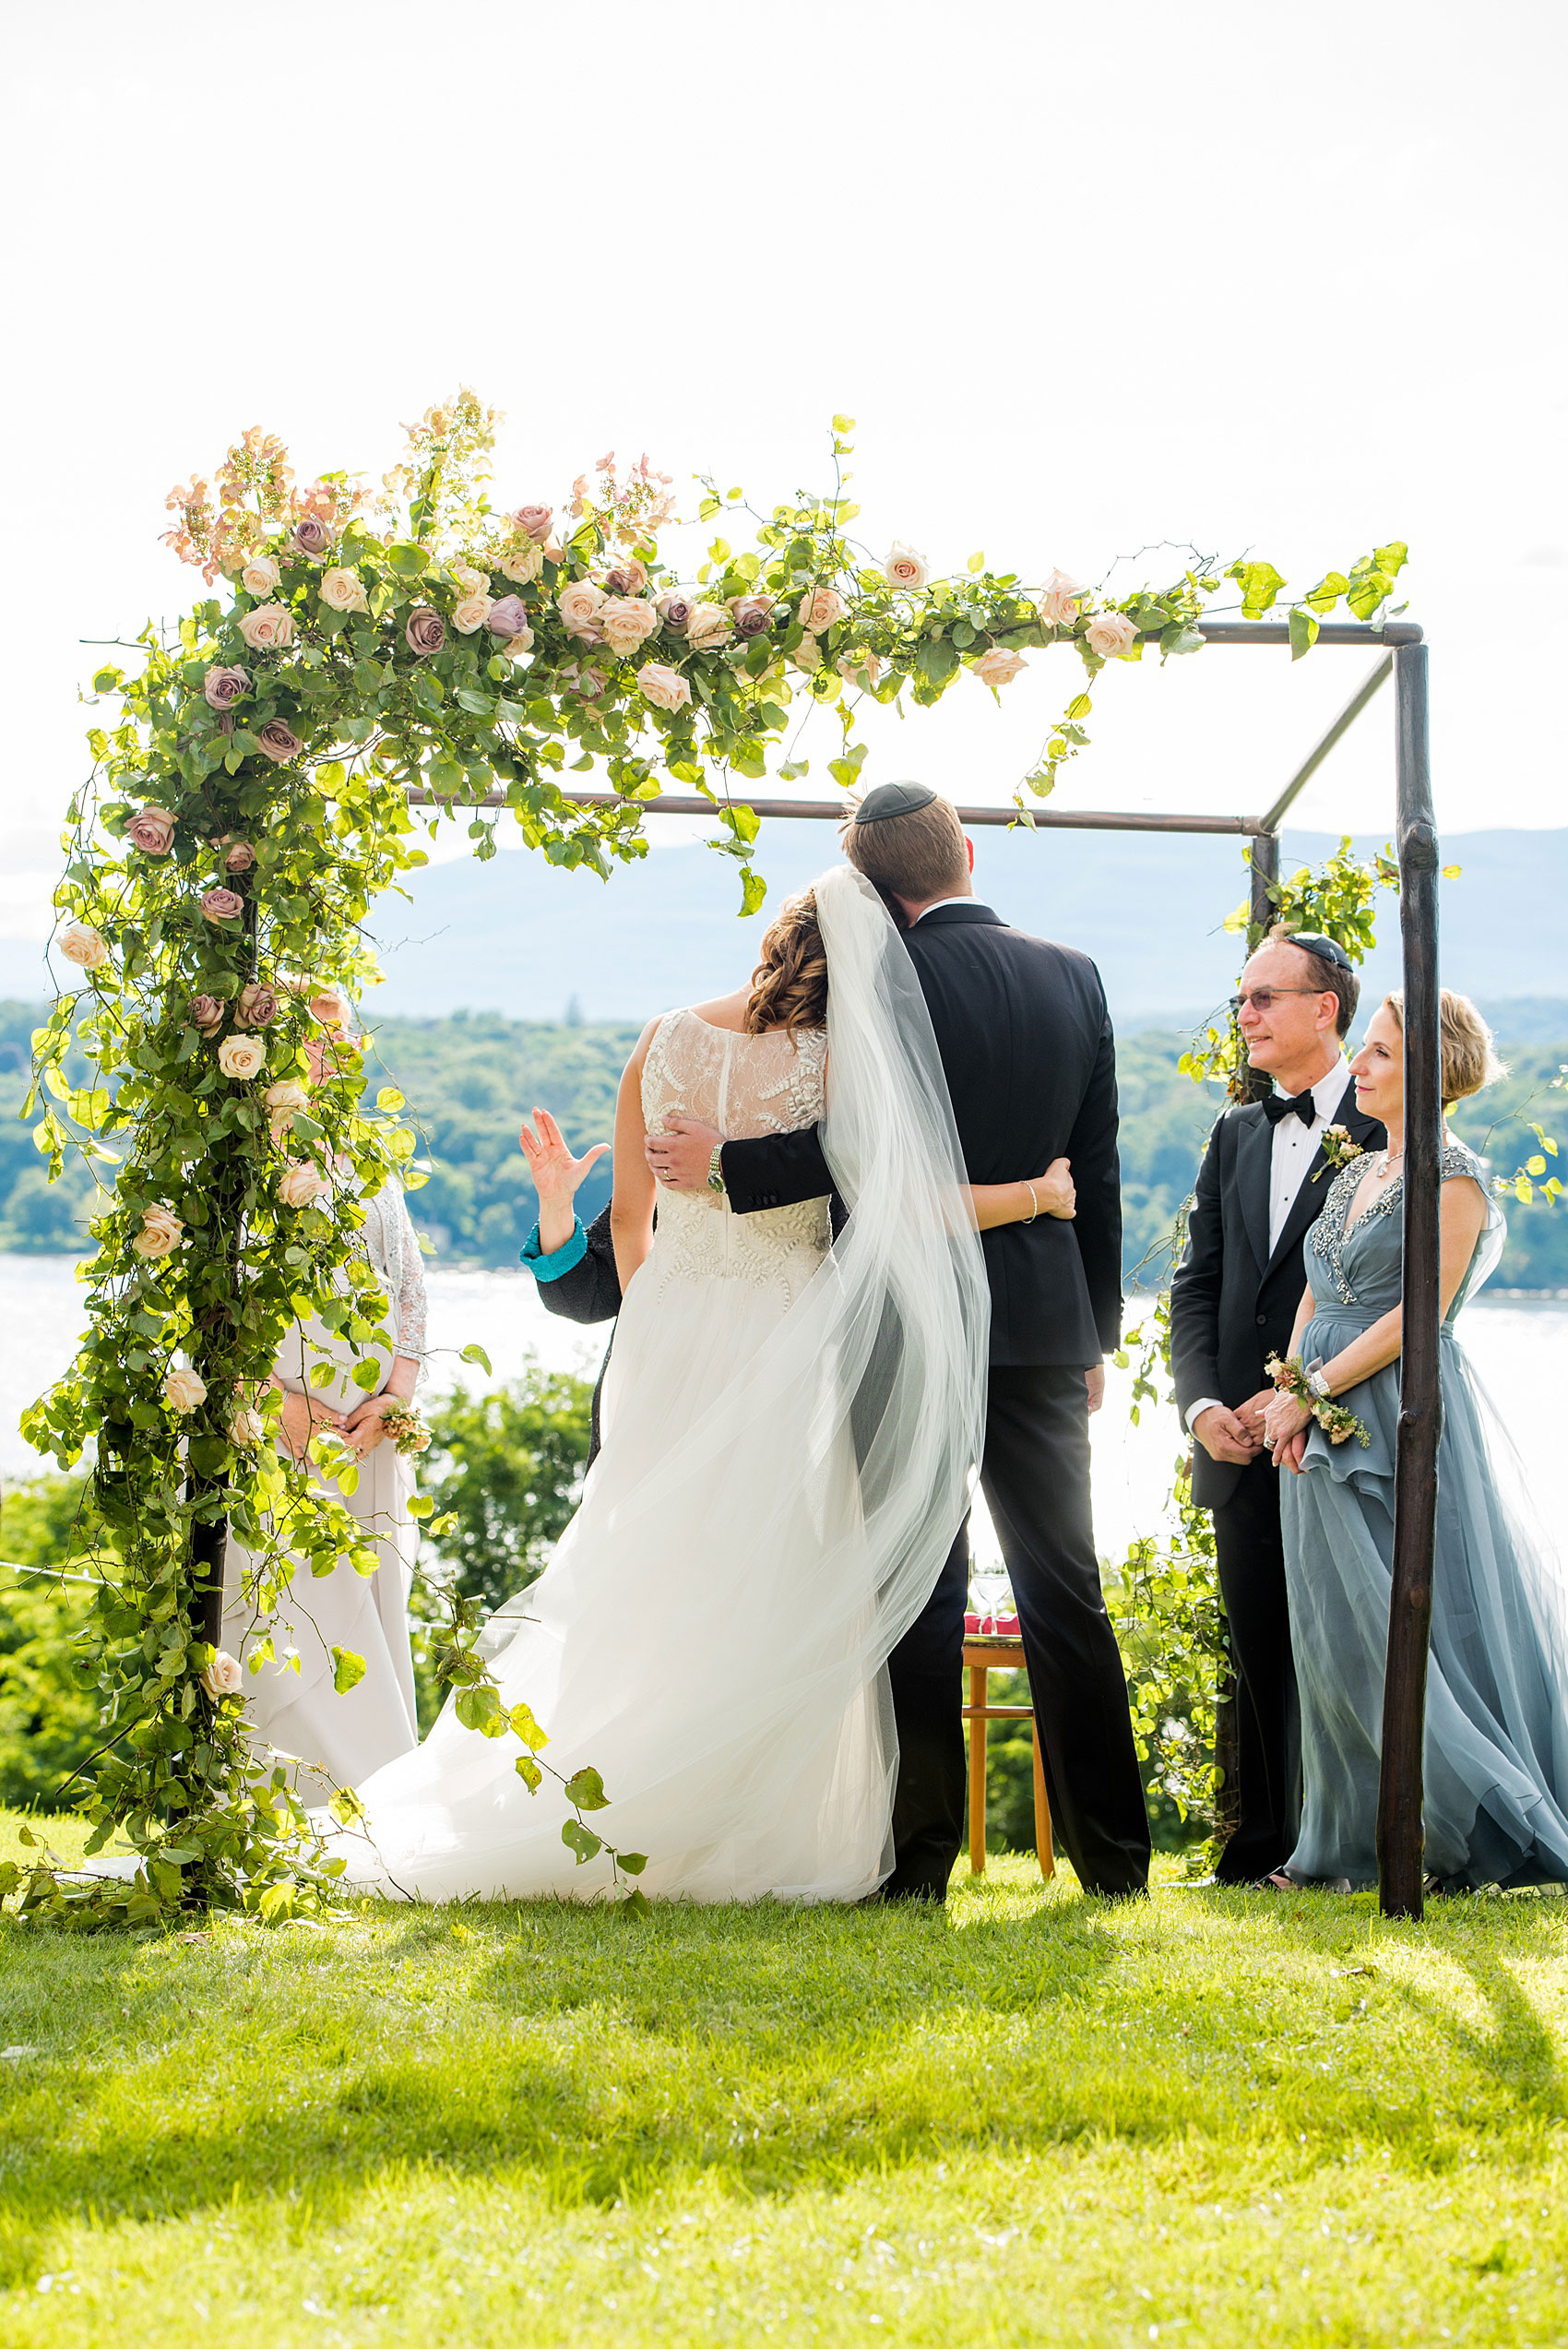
985	1652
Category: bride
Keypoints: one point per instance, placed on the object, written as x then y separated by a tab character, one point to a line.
790	1422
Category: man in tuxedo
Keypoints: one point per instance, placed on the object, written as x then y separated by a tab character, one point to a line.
1233	1300
1026	1041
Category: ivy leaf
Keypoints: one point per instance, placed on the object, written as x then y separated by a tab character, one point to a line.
528	1770
793	769
632	1863
476	1353
581	1840
585	1789
1303	631
754	888
348	1670
522	1723
1260	583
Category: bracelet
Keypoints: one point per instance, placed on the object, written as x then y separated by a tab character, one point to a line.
1033	1201
1338	1424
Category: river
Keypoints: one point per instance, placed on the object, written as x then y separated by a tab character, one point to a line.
1519	1345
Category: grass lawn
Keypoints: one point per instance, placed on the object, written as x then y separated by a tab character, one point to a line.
1215	2117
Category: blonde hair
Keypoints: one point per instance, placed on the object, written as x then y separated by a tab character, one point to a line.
915	857
789	984
1469	1061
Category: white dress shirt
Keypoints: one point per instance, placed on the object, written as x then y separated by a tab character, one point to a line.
1295	1145
970	899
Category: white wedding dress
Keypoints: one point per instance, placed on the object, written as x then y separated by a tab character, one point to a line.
789	1424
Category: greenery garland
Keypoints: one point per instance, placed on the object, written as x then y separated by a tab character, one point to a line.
243	812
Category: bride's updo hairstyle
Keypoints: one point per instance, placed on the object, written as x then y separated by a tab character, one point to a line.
789	985
1464	1044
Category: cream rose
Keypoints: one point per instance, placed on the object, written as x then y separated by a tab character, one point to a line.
83	946
223	1677
709	626
625	623
241	1057
260	575
820	608
807	655
860	668
903	567
472	582
1111	635
269	628
665	687
1059	605
998	667
472	614
287	1097
185	1389
343	590
518	648
246	1430
579	606
161	1232
301	1184
522	564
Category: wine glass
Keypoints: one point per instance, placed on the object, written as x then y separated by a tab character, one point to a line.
992	1588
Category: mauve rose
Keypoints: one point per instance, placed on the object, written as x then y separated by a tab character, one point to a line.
626	622
257	1007
206	1013
242	1057
998	667
277	742
1059	599
674	608
628	577
426	631
223	1677
222	687
752	614
185	1389
666	688
151	832
820	608
238	857
708	625
223	905
534	523
1111	635
507	616
312	536
578	604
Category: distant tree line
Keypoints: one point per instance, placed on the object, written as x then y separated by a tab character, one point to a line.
470	1078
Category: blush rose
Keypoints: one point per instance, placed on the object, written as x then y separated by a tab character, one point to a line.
665	687
151	832
1111	635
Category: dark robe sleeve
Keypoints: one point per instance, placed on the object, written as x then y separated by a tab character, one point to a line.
775	1170
590	1290
1096	1176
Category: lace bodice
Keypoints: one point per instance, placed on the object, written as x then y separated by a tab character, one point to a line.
394	1253
1362	1263
744	1086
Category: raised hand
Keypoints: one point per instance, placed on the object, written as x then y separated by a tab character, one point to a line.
557	1176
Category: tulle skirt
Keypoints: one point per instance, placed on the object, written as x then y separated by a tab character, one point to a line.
698	1640
1497	1688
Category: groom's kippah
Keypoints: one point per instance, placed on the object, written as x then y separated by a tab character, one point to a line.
893	799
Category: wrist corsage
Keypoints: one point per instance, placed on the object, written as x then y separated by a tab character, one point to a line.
407	1430
1338	1424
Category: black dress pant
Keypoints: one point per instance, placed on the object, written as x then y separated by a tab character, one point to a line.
1252	1583
1035	1476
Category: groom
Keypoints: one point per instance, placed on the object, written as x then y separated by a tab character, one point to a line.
1233	1299
1026	1043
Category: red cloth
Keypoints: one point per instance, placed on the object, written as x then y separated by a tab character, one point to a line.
1000	1626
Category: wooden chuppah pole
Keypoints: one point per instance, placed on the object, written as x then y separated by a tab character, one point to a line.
1399	1832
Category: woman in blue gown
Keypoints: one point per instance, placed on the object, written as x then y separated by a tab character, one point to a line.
1497	1689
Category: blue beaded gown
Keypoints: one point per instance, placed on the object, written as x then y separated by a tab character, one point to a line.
1497	1689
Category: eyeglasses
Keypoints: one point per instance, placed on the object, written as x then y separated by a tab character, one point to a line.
1261	998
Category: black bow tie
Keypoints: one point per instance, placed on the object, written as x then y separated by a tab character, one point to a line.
1301	1106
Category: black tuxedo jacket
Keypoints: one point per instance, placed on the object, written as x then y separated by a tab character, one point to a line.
1232	1299
1030	1060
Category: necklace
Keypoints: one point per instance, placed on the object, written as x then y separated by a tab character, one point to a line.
1387	1161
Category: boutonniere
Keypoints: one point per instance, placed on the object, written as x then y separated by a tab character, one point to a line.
1338	1148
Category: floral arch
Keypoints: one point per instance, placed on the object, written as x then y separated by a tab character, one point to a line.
247	807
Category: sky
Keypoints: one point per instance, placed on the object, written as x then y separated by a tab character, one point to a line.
1238	278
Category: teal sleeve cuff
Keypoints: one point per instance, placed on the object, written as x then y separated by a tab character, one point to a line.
550	1267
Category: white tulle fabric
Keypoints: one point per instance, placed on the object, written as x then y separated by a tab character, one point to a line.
790	1424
